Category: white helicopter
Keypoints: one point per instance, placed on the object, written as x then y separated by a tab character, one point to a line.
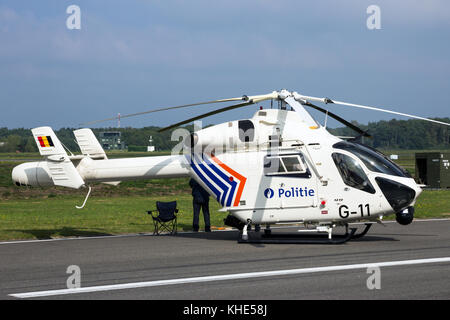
279	167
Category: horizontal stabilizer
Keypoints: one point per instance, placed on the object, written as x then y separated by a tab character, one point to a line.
64	174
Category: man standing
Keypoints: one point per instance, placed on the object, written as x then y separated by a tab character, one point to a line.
200	200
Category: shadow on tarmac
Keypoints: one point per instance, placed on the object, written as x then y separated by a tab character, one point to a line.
45	234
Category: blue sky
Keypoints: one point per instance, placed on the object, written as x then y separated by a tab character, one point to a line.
135	55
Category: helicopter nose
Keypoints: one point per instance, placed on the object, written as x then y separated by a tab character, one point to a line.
399	195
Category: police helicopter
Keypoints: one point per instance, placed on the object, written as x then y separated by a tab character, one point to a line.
279	167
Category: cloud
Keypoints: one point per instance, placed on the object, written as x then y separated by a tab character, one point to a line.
137	50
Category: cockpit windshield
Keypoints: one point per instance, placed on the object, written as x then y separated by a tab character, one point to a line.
372	159
352	173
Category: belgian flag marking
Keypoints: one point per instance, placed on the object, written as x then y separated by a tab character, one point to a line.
45	141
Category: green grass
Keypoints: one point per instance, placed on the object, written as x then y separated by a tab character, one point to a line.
57	217
433	204
37	213
19	156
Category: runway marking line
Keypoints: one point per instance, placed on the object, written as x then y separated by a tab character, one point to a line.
236	276
180	232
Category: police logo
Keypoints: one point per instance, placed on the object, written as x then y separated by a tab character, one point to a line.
268	193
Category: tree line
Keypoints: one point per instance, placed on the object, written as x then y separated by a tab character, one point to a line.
402	134
21	140
393	134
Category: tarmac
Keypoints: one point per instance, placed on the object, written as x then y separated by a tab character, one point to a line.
390	262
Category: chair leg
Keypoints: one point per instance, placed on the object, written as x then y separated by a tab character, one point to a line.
166	227
155	229
170	227
173	231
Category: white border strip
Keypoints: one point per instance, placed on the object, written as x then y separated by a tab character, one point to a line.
224	277
181	232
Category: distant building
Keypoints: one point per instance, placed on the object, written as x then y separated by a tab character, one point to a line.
433	169
150	147
112	140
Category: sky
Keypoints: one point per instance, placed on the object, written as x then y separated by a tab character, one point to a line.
135	55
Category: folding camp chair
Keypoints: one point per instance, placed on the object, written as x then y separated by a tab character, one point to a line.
166	220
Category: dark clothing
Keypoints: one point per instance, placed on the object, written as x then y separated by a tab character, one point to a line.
200	195
200	201
205	209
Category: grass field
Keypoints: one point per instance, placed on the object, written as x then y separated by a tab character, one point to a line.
36	213
58	217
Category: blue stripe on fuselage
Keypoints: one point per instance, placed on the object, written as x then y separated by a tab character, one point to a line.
233	183
216	181
205	180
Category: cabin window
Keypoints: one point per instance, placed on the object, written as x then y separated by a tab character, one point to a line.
352	173
246	130
291	165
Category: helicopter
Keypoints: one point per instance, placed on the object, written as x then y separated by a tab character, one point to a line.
279	167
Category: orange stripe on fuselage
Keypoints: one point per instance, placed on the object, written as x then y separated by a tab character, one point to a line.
241	178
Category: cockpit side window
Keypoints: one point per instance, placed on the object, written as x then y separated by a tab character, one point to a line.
352	173
373	159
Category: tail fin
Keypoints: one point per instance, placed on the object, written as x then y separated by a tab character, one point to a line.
89	144
47	142
61	169
90	147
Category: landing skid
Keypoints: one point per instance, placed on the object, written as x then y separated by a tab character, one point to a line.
363	233
296	238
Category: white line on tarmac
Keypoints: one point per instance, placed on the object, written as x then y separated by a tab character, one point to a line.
131	235
180	232
77	238
236	276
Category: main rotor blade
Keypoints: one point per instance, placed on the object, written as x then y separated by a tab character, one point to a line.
341	120
207	115
163	109
327	100
255	99
389	111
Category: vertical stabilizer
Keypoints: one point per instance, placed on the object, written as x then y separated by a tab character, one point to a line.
90	147
89	144
61	168
47	142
